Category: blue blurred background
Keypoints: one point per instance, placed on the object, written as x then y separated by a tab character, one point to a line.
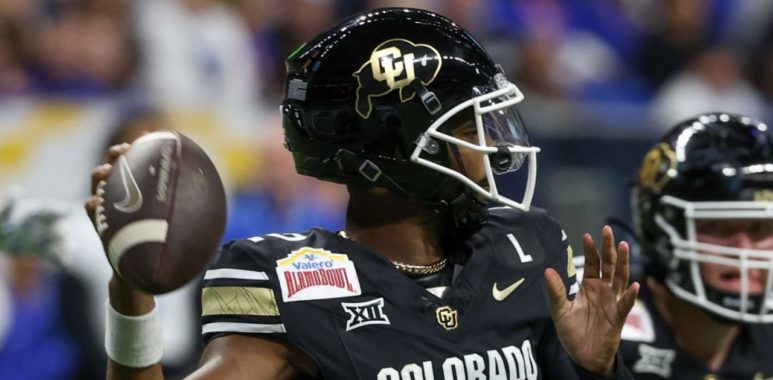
602	78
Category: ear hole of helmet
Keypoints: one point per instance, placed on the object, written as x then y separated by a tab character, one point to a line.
333	125
323	125
347	121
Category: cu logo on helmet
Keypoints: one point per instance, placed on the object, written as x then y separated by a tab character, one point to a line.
393	65
389	64
656	167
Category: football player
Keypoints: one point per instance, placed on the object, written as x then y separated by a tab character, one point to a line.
704	213
424	282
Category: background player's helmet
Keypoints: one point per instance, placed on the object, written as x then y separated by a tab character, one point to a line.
715	166
367	103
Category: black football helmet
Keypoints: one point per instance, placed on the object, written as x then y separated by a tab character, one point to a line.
715	166
368	102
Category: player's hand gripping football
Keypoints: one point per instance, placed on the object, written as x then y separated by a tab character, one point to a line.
100	173
124	297
589	327
161	213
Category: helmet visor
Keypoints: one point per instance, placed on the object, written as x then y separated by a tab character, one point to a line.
504	126
504	129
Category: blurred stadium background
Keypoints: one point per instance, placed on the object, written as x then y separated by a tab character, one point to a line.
602	78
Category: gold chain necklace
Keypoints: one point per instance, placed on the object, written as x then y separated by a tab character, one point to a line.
420	270
411	269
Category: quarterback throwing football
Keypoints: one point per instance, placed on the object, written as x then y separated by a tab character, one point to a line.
425	281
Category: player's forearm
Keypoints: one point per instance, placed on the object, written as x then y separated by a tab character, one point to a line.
129	301
619	371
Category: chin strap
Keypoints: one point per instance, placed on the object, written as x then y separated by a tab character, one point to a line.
428	98
467	213
351	164
463	214
731	301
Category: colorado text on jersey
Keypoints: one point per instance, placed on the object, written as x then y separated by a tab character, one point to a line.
509	362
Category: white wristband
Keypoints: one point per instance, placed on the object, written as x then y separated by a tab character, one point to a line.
133	341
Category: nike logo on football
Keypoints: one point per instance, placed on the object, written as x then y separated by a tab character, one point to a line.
500	295
133	200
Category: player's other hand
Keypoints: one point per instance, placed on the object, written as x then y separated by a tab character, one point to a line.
589	327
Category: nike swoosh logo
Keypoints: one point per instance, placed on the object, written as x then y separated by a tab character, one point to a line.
500	295
133	200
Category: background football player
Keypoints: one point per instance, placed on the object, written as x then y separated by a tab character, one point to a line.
425	282
705	225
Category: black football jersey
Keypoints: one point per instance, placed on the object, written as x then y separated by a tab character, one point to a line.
358	317
649	350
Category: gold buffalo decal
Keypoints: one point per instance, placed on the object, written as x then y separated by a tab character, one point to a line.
393	65
656	168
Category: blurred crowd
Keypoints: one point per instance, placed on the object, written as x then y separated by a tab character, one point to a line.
595	53
615	67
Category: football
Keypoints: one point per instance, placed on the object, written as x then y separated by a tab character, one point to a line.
163	213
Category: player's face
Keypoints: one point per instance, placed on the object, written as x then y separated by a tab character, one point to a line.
472	164
743	234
